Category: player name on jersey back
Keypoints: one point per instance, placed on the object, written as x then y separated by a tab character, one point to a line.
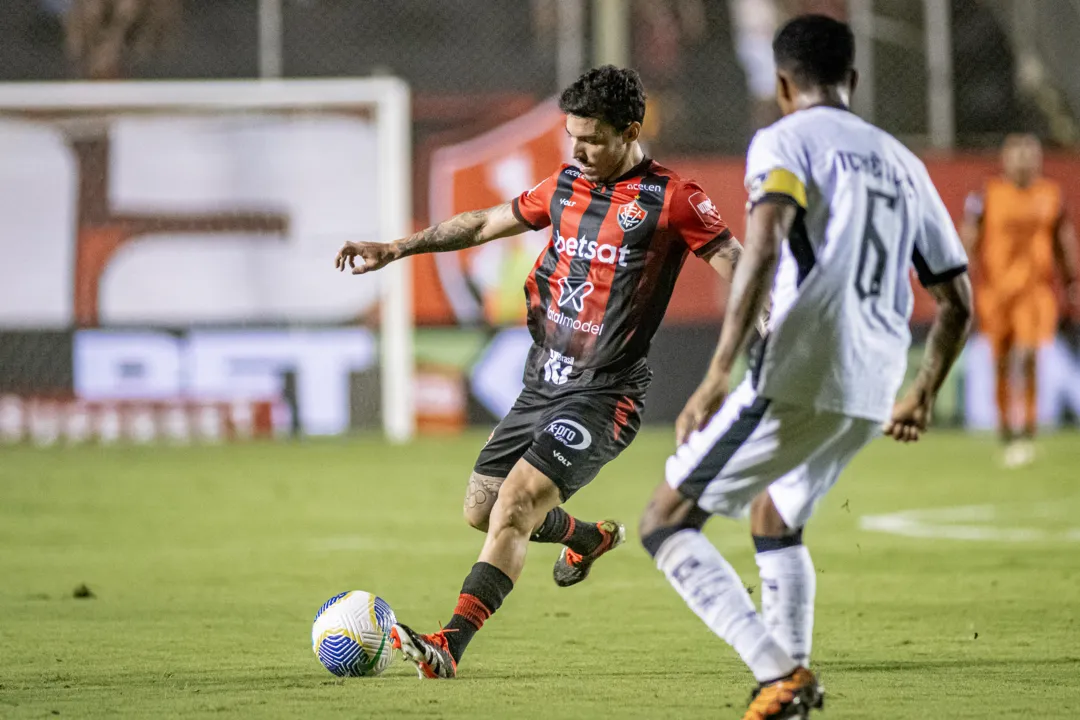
876	167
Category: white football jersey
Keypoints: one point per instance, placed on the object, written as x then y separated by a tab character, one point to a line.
867	213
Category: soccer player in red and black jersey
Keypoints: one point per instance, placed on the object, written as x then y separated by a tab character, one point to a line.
621	227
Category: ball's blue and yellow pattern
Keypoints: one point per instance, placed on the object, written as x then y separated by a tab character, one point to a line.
351	634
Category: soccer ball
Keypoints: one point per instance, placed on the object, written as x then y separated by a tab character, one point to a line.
351	634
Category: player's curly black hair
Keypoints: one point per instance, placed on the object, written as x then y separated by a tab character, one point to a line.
816	49
614	95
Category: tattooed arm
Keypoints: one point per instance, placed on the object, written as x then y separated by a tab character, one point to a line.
466	230
724	259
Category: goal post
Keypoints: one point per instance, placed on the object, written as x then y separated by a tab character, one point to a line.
381	105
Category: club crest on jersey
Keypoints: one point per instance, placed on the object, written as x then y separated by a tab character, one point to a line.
631	215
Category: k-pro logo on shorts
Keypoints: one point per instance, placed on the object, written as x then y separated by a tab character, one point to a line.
570	433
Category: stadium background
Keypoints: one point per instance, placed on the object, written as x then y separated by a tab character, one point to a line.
950	77
178	579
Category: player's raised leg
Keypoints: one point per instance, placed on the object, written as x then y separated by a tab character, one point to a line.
569	439
584	541
524	500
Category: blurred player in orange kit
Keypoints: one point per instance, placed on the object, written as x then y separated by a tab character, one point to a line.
1016	231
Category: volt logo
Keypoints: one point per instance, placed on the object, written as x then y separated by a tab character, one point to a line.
576	294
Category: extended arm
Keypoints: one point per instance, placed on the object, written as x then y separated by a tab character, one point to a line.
724	260
466	230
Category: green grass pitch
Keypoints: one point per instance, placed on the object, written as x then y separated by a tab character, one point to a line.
207	565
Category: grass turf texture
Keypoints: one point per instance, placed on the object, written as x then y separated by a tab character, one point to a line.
207	565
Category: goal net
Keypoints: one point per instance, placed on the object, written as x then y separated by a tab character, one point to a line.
167	259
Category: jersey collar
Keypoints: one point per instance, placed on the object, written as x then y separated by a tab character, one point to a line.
633	172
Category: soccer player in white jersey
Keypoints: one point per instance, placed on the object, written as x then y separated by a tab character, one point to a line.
839	212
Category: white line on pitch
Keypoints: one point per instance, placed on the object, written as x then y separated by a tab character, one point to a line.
966	522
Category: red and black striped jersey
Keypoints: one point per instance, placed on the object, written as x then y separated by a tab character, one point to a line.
598	292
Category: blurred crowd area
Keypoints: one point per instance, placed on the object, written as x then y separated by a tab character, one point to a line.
472	63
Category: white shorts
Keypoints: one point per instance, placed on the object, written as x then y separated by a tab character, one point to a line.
755	443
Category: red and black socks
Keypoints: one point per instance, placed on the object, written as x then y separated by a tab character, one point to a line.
559	526
481	595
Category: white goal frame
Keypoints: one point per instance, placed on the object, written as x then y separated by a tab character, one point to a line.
389	97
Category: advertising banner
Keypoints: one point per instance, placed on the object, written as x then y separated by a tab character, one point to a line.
183	219
163	266
482	288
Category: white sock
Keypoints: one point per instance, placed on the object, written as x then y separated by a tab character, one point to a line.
713	590
788	585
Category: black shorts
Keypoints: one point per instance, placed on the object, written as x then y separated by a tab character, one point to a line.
568	437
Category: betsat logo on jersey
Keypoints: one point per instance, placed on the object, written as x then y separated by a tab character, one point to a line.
589	249
706	211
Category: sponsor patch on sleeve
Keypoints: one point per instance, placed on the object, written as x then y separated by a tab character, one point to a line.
706	211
